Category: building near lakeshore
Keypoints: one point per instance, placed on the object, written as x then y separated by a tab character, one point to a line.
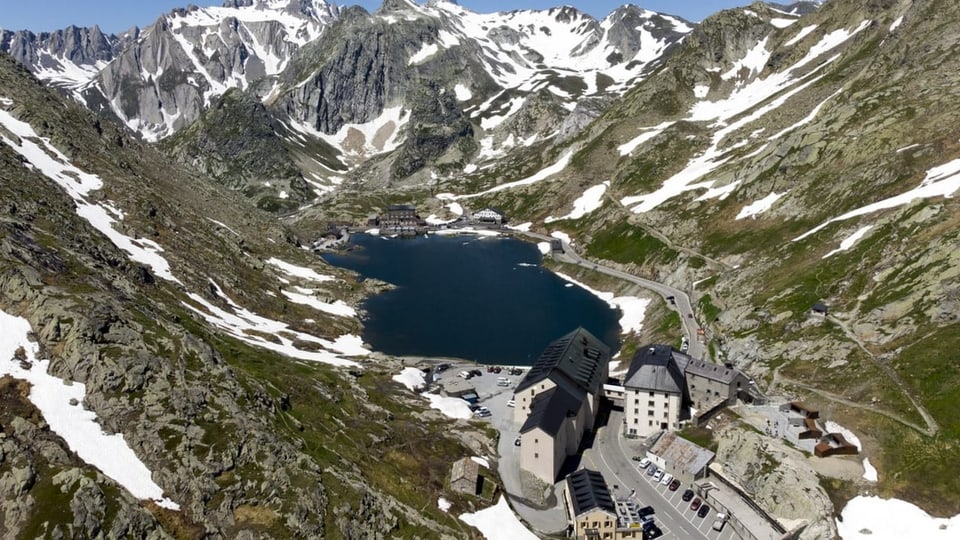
557	402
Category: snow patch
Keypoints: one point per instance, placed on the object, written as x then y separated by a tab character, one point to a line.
274	335
782	23
941	181
760	206
444	504
543	174
299	271
804	32
869	471
523	227
849	241
79	184
632	309
833	427
498	523
338	307
61	404
412	378
591	200
896	24
648	133
450	406
544	248
873	518
481	461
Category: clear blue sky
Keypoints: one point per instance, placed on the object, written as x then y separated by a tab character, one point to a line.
118	15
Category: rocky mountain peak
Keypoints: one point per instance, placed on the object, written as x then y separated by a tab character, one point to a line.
397	5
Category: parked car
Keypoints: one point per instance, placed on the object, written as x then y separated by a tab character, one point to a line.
651	470
476	372
644	462
646	511
652	532
516	371
497	369
465	374
482	414
687	495
675	485
442	367
695	504
704	510
667	478
516	442
658	475
512	403
489	369
720	521
503	383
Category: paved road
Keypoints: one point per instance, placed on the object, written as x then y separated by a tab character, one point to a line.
611	455
681	302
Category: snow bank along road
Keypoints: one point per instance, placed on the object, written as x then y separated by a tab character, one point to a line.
681	301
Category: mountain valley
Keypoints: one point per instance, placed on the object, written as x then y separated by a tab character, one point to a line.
162	190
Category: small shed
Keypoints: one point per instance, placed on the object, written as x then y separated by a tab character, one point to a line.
465	476
820	309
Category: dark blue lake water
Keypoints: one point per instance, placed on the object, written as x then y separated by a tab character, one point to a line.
487	300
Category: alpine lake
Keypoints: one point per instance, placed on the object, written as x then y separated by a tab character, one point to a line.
486	299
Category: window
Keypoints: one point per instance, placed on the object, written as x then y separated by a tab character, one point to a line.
665	414
636	411
650	423
636	402
536	455
650	412
536	441
636	421
649	404
651	394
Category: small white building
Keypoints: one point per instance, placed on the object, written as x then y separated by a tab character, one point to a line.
489	215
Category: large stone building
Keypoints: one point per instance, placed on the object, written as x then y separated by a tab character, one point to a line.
686	460
655	392
662	384
558	400
710	383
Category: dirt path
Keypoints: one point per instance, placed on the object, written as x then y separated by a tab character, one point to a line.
932	426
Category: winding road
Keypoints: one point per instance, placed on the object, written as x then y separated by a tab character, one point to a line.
681	301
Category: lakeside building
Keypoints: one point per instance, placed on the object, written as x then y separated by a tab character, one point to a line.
662	384
558	400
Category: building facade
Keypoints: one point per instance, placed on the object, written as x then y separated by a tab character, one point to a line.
655	396
557	401
709	383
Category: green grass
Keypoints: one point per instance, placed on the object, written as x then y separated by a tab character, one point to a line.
710	311
626	243
700	436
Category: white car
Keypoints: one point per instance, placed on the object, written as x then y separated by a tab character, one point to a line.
657	476
512	403
644	463
667	478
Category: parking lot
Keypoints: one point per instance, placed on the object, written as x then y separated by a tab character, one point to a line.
703	525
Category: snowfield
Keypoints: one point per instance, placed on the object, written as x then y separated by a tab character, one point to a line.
873	518
61	403
412	378
498	523
632	308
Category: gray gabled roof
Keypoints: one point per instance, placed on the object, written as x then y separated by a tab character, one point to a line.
550	409
681	454
657	368
715	372
575	361
588	491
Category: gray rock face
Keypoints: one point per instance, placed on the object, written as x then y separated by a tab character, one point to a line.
68	57
161	82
